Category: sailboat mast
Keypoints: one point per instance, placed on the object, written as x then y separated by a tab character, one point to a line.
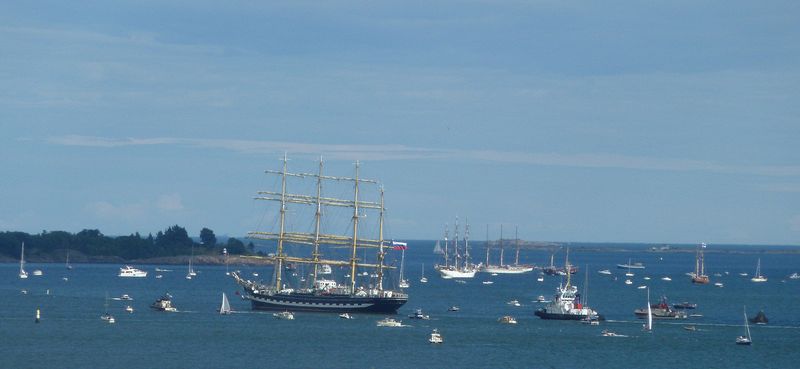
317	218
446	246
487	245
516	239
501	245
279	257
466	244
380	242
455	246
354	258
567	268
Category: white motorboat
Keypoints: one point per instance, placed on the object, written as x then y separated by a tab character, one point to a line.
129	309
389	322
37	273
131	272
628	281
513	303
345	316
667	279
436	337
508	319
604	271
285	315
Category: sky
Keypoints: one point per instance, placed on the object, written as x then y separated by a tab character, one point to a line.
613	121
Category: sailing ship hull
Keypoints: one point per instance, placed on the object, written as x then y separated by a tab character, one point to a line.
508	269
542	313
327	303
453	273
703	279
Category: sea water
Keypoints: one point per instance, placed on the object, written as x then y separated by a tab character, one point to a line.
72	335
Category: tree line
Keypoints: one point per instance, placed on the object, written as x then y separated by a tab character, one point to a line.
172	241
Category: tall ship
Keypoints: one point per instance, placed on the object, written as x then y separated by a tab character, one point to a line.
355	291
461	266
567	304
699	276
515	268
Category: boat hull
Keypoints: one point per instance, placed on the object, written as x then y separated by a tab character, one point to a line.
561	316
507	269
327	303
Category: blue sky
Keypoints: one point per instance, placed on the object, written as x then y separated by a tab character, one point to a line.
664	122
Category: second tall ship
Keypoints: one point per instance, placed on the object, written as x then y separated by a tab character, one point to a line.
360	292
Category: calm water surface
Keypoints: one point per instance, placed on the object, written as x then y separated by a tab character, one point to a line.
71	335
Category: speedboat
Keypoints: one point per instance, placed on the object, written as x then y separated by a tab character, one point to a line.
436	337
419	315
453	308
129	309
719	284
628	281
389	322
125	297
108	318
690	327
666	279
164	303
641	287
345	316
129	271
607	333
37	272
794	276
604	271
513	303
540	299
487	282
508	319
286	315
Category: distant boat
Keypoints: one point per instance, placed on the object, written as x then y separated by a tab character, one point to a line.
746	339
608	333
225	308
285	315
191	274
719	284
461	267
515	268
131	272
630	265
453	308
345	316
508	319
758	277
438	249
436	337
700	276
604	271
418	314
667	279
402	247
389	322
129	309
513	303
628	281
106	316
760	318
164	304
423	279
487	282
794	276
649	325
685	305
661	310
691	328
37	273
22	273
68	265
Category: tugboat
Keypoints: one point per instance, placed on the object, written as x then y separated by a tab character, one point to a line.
164	304
566	304
661	310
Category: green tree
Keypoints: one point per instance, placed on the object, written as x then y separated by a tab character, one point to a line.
208	238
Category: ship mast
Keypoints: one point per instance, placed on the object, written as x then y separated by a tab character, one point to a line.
455	246
466	244
501	245
281	235
354	259
567	268
487	246
380	240
446	248
516	239
317	217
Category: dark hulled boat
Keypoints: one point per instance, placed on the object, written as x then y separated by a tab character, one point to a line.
760	318
567	305
322	293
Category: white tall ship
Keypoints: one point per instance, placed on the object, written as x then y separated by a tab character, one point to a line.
461	267
503	268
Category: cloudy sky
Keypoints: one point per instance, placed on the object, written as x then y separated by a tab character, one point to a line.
664	122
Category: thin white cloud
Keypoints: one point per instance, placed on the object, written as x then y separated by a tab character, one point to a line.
404	152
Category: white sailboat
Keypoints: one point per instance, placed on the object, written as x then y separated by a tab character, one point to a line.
225	308
402	246
106	316
22	273
758	277
423	279
745	340
191	273
515	268
649	325
69	266
457	269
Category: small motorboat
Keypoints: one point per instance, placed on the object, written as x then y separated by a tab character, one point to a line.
164	303
691	328
285	315
419	315
37	272
129	309
453	308
108	318
667	279
641	287
508	319
345	316
389	322
719	284
646	278
487	282
685	305
436	337
125	297
513	303
628	282
608	333
540	299
604	271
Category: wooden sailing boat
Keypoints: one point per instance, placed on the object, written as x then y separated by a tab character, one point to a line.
700	276
22	273
758	277
323	294
746	339
225	308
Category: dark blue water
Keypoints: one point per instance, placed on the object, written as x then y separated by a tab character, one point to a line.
71	335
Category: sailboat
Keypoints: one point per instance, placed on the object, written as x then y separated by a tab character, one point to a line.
457	269
515	268
106	316
225	308
323	293
68	265
22	273
699	276
649	325
402	246
745	340
191	274
423	279
758	277
438	249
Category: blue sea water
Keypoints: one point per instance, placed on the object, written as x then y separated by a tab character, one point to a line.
71	335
